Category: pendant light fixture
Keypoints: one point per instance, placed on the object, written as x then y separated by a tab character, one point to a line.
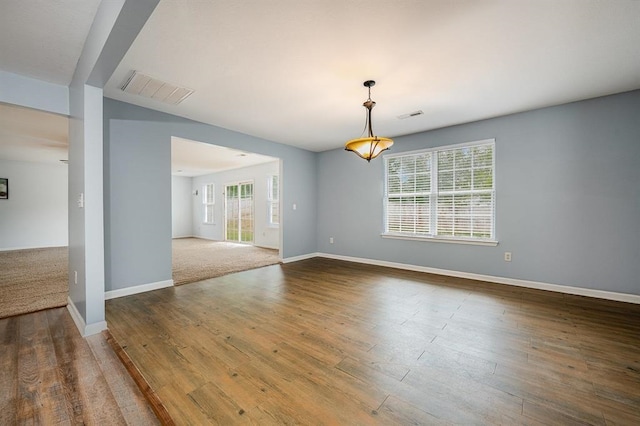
371	146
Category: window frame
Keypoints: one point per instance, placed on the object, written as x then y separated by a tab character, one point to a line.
271	201
434	194
208	206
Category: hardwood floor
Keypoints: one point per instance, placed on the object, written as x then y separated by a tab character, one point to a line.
50	375
329	342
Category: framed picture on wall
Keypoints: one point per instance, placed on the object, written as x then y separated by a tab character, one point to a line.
4	189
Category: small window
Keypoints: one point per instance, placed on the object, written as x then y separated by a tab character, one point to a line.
443	193
208	203
273	200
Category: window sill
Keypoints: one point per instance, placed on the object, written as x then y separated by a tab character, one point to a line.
440	239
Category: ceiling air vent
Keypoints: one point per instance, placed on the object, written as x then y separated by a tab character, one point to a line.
411	114
143	85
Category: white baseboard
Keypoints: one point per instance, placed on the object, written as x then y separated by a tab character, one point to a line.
206	238
183	236
303	257
94	328
29	247
84	329
236	242
266	247
112	294
579	291
75	315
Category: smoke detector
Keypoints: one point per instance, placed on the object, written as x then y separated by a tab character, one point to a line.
149	87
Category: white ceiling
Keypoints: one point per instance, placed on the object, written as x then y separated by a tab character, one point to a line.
43	39
291	71
42	137
30	135
192	158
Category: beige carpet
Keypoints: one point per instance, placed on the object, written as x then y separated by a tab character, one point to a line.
195	259
36	279
32	280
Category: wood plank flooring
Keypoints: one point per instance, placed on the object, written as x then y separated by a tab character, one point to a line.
50	375
328	342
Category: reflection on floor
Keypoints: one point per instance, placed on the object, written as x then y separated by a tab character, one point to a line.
325	341
50	375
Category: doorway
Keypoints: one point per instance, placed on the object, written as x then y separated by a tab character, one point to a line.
204	245
239	217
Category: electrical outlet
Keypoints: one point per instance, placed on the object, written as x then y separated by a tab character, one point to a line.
507	256
330	240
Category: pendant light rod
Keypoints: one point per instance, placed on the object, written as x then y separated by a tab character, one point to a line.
369	104
371	146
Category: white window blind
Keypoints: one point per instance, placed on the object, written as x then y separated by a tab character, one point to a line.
273	200
445	192
208	202
409	194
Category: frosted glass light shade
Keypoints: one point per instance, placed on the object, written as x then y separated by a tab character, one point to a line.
368	148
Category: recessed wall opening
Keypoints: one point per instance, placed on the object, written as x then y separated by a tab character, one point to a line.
34	210
225	210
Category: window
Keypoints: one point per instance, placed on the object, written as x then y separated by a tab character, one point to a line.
444	193
208	202
273	199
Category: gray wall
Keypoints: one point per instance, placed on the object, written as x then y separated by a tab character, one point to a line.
115	26
568	198
181	207
567	181
32	93
137	145
264	235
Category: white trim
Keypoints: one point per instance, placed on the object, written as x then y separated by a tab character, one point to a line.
84	329
94	328
266	246
302	257
579	291
434	193
210	205
207	238
436	239
441	148
142	288
75	315
30	248
271	201
238	183
234	242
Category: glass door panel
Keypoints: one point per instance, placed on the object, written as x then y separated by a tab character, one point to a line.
239	212
246	212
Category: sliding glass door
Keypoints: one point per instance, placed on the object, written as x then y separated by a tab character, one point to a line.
239	212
